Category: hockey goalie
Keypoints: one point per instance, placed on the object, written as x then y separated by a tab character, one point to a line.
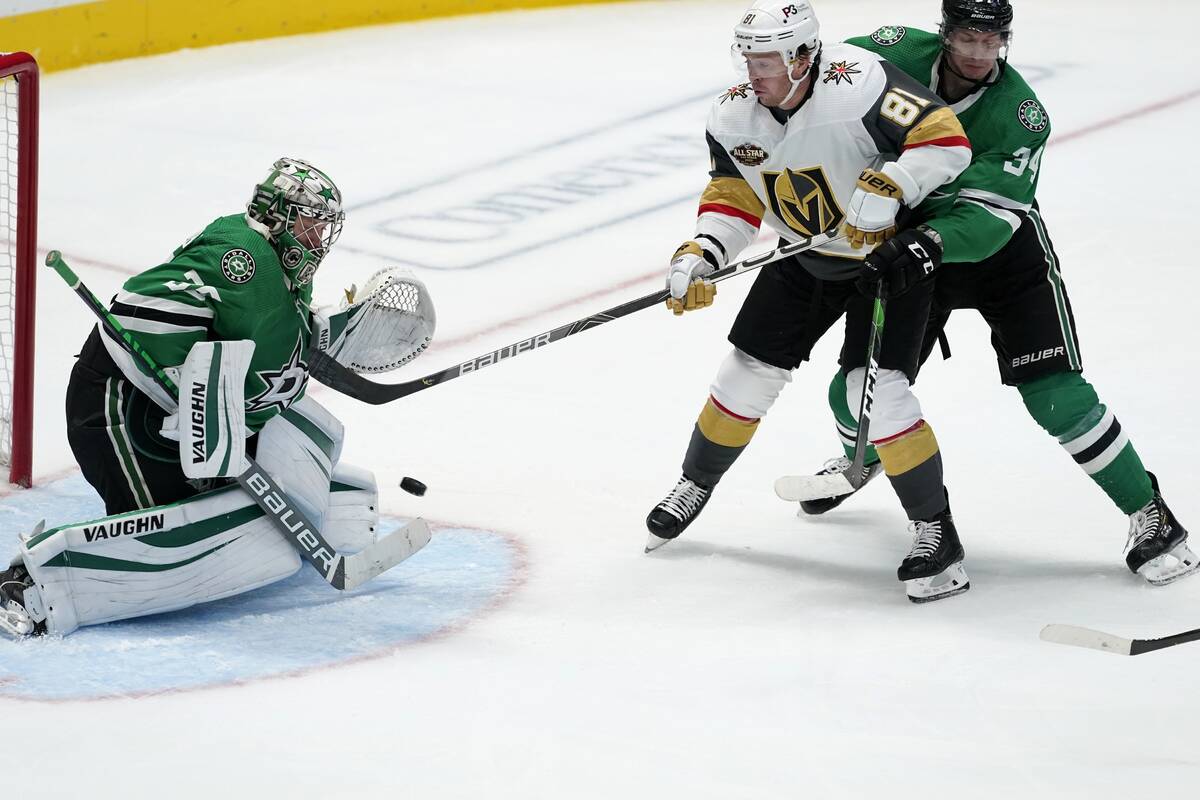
230	317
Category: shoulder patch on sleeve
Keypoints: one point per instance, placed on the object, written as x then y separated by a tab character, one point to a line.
888	35
740	92
842	71
238	265
1033	116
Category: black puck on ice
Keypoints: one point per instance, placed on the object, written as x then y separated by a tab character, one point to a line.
413	486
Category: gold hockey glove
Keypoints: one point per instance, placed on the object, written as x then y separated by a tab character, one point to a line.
685	279
871	215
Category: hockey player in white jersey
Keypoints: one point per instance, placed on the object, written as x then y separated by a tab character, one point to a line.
816	140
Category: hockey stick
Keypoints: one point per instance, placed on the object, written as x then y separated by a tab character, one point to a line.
341	572
1098	640
336	376
816	487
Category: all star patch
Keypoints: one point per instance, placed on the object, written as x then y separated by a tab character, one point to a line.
841	71
741	91
888	35
238	265
1033	116
749	154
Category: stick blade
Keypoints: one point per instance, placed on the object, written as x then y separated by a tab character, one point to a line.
386	553
1086	637
801	488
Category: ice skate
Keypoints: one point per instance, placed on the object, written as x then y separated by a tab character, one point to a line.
1157	547
20	612
670	517
837	466
933	568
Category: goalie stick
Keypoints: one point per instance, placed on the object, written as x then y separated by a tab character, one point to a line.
328	371
815	487
340	571
1098	640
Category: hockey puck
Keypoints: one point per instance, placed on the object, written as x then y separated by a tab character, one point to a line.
413	486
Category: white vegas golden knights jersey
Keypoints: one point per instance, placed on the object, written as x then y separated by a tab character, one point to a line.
797	176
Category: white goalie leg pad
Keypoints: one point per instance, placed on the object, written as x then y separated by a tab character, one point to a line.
212	417
299	449
353	514
748	387
165	558
895	408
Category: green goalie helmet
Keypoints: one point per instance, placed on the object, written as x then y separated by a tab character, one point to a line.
301	208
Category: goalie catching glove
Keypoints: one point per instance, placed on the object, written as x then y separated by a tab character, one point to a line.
685	278
383	327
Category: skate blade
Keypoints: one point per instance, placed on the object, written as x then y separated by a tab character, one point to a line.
37	529
1171	566
947	583
15	624
654	542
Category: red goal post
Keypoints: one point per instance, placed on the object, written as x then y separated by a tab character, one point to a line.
18	260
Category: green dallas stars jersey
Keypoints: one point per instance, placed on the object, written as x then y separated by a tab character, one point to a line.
978	213
226	283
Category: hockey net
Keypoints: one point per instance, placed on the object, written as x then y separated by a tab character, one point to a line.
18	255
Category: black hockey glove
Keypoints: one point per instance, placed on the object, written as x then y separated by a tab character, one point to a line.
900	262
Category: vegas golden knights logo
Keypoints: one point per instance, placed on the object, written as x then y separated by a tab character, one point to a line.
803	200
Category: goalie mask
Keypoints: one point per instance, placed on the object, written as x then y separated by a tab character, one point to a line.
301	208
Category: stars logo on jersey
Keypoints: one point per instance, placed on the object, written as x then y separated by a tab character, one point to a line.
749	154
841	71
238	265
1033	116
803	200
283	385
888	35
741	91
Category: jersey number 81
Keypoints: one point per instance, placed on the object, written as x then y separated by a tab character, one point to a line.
901	107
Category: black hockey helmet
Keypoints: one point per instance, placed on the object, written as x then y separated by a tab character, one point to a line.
984	16
979	15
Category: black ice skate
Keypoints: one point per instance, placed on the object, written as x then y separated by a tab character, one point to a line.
837	466
669	518
933	568
1157	545
20	612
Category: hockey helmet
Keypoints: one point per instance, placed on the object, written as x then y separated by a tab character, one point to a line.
301	208
978	16
789	29
987	16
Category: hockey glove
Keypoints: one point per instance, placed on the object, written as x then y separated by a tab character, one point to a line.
900	262
685	279
871	214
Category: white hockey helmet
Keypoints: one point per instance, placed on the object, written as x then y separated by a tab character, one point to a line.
776	26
